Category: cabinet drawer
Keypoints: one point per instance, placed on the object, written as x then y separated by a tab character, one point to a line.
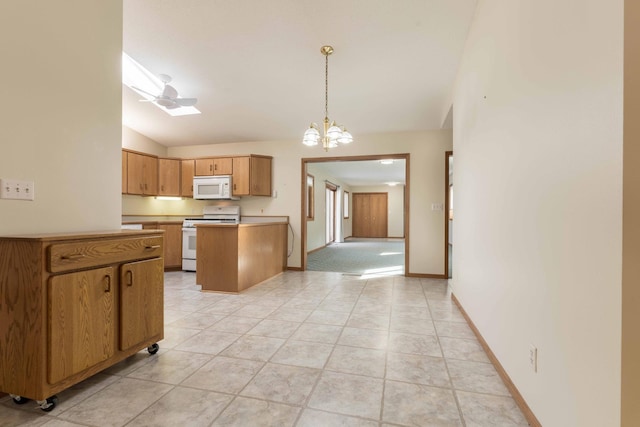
79	255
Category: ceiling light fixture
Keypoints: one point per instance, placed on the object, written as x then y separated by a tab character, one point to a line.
386	161
333	134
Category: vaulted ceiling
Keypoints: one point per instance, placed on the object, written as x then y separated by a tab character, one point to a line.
257	71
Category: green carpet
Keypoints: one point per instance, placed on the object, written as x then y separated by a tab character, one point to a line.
360	256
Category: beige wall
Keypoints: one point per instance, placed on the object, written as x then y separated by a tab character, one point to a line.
61	119
538	199
631	218
395	206
427	171
316	229
133	140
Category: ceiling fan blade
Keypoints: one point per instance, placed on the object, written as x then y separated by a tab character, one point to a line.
172	106
186	102
143	91
169	92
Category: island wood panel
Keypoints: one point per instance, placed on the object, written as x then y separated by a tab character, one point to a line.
262	253
232	258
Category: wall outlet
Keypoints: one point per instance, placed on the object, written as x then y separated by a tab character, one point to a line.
17	190
533	357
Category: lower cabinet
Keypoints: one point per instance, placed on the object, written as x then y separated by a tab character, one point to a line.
75	304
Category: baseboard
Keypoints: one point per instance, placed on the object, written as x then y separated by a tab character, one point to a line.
517	397
316	249
294	268
427	276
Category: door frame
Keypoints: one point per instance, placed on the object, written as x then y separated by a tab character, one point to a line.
303	189
447	206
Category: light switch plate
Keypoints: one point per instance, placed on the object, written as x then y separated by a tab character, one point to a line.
15	189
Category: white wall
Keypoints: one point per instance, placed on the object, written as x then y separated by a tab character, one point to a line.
395	206
61	119
538	152
427	170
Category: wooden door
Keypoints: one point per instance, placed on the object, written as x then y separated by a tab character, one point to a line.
172	244
369	215
135	178
169	177
187	173
150	175
124	172
81	321
260	176
204	167
223	166
240	177
141	301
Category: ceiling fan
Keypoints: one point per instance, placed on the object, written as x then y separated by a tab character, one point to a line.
169	96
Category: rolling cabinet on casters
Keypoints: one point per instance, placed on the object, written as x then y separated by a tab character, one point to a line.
75	304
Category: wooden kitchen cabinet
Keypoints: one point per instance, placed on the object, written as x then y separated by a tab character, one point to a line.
124	172
214	166
142	174
172	244
251	176
169	177
187	172
76	304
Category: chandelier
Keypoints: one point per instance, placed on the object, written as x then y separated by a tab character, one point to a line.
333	134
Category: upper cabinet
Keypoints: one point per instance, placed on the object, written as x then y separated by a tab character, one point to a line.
188	171
251	176
214	166
142	174
148	175
169	177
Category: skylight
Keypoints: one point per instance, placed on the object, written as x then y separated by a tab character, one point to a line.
135	76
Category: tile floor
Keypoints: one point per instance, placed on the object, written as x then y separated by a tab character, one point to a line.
302	349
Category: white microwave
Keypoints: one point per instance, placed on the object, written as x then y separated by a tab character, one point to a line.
212	187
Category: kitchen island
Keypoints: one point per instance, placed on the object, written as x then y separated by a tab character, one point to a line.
234	257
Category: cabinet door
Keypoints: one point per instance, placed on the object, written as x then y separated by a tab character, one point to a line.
124	172
135	170
240	176
188	171
204	167
141	302
150	173
260	176
172	245
168	177
81	321
223	166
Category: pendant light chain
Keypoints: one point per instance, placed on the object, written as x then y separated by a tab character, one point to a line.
333	134
326	86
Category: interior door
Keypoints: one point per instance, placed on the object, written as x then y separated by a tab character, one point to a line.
330	194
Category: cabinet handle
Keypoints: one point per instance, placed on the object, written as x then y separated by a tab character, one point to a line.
73	256
215	167
130	278
210	168
162	187
107	285
234	187
150	248
145	186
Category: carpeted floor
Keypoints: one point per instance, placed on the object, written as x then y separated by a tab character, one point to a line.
360	256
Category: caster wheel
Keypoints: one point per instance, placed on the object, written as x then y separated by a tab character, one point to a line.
49	404
153	348
18	400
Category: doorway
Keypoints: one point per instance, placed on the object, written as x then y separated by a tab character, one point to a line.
330	207
346	168
448	225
